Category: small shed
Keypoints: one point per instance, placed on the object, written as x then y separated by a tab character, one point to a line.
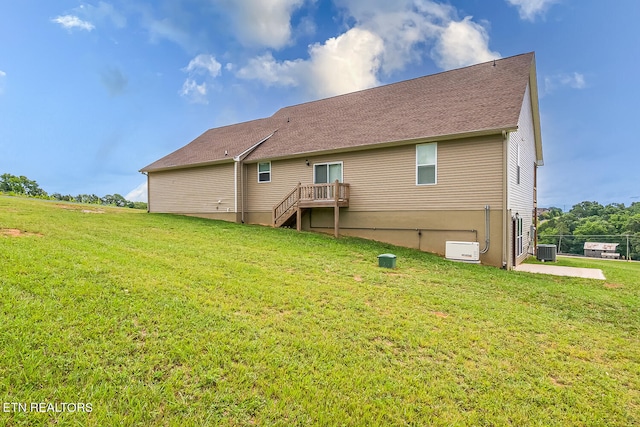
600	250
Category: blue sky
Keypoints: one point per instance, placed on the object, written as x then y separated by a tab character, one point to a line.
90	92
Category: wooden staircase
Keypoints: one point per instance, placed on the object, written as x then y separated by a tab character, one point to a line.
284	211
308	196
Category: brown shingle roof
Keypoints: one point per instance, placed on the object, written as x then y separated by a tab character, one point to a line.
477	98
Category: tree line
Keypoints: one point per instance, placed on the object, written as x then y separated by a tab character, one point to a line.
592	222
23	186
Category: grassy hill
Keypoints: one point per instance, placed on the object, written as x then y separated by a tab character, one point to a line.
166	320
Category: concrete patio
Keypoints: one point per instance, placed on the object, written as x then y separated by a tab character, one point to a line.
556	270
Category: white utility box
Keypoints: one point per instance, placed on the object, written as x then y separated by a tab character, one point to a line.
463	251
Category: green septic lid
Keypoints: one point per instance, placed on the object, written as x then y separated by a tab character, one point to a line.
386	256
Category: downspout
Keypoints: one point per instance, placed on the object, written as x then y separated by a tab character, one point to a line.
505	219
242	173
235	187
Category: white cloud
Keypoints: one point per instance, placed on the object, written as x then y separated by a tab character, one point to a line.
342	64
206	68
529	9
262	23
346	63
462	43
571	80
71	21
138	194
414	29
386	37
194	92
204	63
575	81
273	73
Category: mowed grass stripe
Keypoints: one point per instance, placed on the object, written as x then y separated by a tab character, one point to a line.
168	320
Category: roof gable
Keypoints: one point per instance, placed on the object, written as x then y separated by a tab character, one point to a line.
482	97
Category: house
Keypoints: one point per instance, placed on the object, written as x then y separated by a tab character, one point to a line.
449	156
601	250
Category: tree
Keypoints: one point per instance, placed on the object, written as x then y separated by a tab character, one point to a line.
613	209
23	185
115	200
553	212
566	223
588	220
634	208
635	246
20	185
594	226
633	224
587	209
88	198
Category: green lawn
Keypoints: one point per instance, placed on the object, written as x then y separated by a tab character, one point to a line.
166	320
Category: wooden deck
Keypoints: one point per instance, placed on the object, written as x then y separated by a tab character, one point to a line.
308	196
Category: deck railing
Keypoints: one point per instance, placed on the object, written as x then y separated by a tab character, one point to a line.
331	194
324	192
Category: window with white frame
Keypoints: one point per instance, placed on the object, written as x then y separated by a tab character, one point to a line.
324	173
264	172
519	236
426	163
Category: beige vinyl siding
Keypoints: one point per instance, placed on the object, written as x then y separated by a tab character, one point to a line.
193	190
285	175
520	196
469	176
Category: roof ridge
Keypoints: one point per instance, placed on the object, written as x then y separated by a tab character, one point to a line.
479	64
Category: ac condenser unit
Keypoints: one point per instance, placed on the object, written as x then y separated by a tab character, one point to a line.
463	251
546	253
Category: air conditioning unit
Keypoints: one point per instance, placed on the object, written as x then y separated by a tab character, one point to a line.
546	253
463	251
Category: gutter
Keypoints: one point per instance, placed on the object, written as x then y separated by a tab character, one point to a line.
190	166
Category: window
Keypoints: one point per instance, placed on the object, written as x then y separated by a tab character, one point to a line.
426	159
264	172
324	173
519	240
